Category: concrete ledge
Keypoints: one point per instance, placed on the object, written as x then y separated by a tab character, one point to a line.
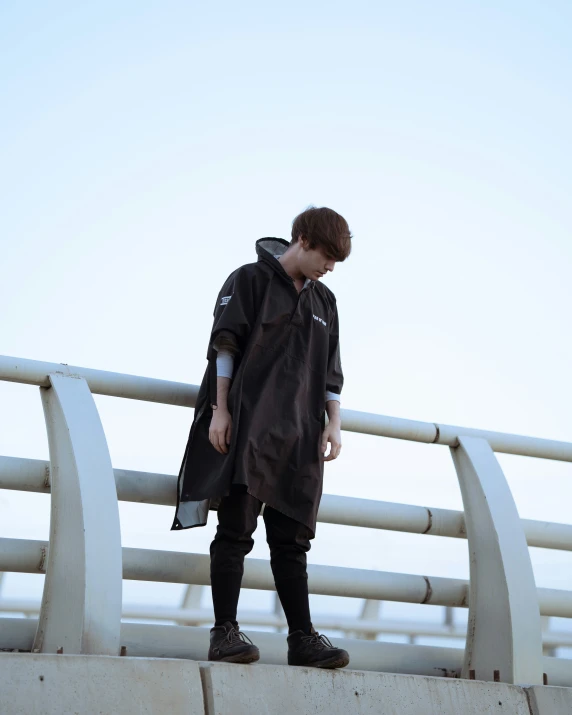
243	690
550	701
161	641
33	684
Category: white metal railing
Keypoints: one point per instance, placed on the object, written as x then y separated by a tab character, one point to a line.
194	616
33	475
84	562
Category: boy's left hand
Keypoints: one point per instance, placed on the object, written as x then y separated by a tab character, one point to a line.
333	435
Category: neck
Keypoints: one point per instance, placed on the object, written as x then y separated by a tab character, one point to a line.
289	261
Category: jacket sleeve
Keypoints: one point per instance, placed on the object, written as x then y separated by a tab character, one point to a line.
334	376
234	314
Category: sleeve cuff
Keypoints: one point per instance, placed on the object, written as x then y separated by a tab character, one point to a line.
225	342
332	396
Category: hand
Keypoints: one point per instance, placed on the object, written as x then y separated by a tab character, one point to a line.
333	435
220	430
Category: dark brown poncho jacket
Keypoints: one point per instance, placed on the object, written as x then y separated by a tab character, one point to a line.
288	358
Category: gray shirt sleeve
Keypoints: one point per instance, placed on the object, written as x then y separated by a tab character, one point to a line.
224	364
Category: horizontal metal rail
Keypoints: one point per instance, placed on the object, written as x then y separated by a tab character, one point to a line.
147	640
28	556
34	372
332	622
101	382
33	475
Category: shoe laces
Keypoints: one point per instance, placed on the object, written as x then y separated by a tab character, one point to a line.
235	635
318	640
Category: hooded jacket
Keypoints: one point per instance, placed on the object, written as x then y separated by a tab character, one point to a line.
288	357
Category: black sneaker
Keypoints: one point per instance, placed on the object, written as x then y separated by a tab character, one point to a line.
315	650
230	645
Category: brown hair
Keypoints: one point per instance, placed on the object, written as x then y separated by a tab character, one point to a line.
324	228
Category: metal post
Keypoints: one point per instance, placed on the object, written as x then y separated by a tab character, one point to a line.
369	612
547	650
81	604
191	601
504	631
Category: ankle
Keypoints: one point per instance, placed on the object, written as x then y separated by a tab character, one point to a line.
305	629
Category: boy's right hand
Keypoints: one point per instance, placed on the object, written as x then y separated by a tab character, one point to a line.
220	430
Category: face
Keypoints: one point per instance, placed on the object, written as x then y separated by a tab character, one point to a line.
314	264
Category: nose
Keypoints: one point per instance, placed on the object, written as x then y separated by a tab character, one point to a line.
330	265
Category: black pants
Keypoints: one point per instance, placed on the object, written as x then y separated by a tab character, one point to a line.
289	541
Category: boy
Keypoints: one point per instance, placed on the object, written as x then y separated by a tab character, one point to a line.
259	437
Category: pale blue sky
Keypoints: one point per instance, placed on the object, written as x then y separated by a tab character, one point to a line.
145	147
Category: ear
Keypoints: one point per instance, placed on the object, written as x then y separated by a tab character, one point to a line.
303	241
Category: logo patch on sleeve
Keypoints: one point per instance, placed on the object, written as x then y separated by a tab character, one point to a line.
320	320
225	299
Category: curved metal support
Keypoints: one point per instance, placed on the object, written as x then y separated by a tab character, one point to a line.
81	604
504	632
370	611
191	602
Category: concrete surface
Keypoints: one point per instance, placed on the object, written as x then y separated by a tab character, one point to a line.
33	684
550	701
267	689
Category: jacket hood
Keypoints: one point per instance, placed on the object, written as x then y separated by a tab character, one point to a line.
272	246
267	250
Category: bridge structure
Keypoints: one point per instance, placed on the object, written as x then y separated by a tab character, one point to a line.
79	654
